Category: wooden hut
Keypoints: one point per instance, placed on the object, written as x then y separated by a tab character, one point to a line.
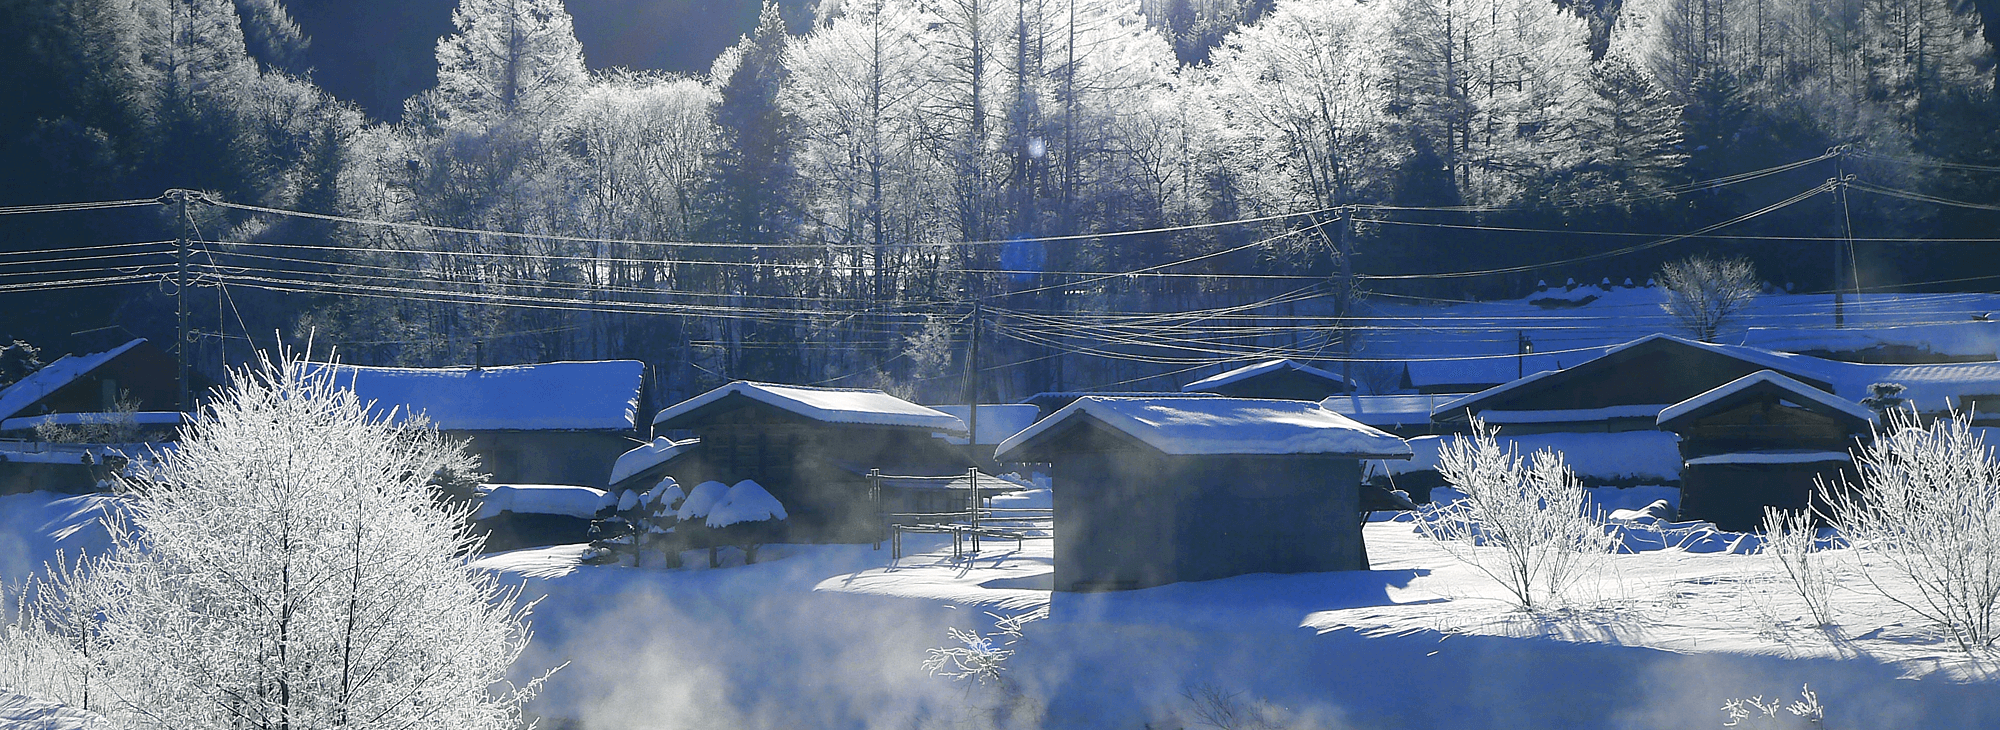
1762	440
547	423
85	389
1150	491
1280	379
813	449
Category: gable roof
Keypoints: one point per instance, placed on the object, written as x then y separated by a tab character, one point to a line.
857	406
1263	368
1210	426
559	396
1760	383
53	376
1805	369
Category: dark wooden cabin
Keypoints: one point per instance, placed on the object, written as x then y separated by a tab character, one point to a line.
1278	379
138	371
548	423
1624	389
812	449
1762	440
1150	491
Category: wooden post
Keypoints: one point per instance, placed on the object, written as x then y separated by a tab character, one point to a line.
972	478
881	511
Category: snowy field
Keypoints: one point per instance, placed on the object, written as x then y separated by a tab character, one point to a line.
835	636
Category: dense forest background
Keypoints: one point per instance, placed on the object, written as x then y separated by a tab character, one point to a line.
848	193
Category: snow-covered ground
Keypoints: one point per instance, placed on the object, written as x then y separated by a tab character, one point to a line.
834	637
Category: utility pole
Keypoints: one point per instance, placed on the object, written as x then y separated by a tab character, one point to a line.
1346	299
180	299
1840	257
972	390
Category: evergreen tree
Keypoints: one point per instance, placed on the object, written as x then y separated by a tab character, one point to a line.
752	171
509	59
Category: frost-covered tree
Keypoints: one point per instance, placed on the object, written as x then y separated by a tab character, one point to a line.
752	175
1928	508
508	59
1527	525
286	567
1704	293
691	520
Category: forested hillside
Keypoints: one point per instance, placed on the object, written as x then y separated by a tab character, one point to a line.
826	202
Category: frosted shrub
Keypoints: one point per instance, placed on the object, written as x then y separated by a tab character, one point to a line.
1788	537
1928	508
975	656
1530	526
287	567
1756	712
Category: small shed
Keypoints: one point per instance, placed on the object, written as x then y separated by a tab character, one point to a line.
1150	491
1279	379
1761	440
547	423
517	516
87	389
812	449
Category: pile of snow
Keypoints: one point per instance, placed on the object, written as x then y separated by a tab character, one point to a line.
666	494
558	396
648	456
21	712
141	418
702	501
1040	498
1190	426
1627	456
539	499
745	502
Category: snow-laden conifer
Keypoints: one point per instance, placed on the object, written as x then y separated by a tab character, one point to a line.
287	567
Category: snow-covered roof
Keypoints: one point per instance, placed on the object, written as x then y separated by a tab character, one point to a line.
1191	426
1792	456
1385	410
1794	390
831	405
1615	456
1958	339
648	456
538	499
997	421
558	396
1933	388
1782	362
53	376
1251	371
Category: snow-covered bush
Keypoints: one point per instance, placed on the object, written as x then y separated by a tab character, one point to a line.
48	650
661	506
1790	536
287	566
1760	714
1928	508
692	518
979	657
1529	526
747	516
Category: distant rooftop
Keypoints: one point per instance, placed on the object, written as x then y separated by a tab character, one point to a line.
558	396
1204	426
831	405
